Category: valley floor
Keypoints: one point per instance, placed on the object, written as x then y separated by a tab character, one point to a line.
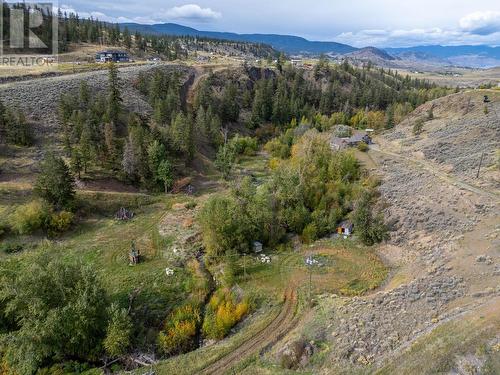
438	311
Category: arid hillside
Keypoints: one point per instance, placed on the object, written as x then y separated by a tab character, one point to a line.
39	98
436	312
462	130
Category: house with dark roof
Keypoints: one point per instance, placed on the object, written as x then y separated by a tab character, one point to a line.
358	138
337	143
112	56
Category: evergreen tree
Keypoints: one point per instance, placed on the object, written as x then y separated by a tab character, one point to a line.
18	130
178	133
215	127
111	144
130	164
389	115
201	121
86	147
55	184
60	312
114	99
281	111
230	110
76	161
84	96
156	155
190	140
127	39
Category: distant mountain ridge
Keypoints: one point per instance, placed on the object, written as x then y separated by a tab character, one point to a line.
480	56
286	43
445	52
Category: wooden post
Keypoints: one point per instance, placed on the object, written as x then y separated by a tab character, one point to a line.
480	164
310	284
245	265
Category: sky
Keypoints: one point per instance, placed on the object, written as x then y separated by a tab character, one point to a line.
379	23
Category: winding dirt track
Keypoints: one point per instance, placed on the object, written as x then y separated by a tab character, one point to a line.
268	336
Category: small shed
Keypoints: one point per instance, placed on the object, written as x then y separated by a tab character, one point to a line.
134	256
345	228
257	247
123	214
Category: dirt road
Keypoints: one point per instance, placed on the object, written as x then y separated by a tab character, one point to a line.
269	335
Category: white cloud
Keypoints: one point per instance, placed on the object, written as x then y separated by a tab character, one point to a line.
413	37
188	13
192	12
481	23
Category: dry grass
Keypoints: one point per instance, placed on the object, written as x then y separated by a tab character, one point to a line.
441	350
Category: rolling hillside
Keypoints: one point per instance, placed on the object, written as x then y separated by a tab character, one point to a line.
286	43
480	56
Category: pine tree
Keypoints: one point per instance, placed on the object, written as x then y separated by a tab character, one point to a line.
111	146
156	154
215	130
190	140
201	120
114	99
127	39
86	147
160	114
18	130
129	161
281	102
177	133
76	162
389	115
84	96
230	110
55	184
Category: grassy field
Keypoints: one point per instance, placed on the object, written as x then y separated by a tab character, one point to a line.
104	243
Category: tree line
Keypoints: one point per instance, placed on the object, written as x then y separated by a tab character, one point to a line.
73	29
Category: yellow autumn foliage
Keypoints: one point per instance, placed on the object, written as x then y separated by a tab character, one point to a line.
223	313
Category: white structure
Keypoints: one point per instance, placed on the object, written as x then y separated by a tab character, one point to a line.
169	271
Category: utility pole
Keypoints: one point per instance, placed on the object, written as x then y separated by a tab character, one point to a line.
309	265
480	164
310	285
245	265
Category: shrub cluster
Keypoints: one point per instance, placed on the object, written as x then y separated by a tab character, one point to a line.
244	145
36	215
179	331
223	313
